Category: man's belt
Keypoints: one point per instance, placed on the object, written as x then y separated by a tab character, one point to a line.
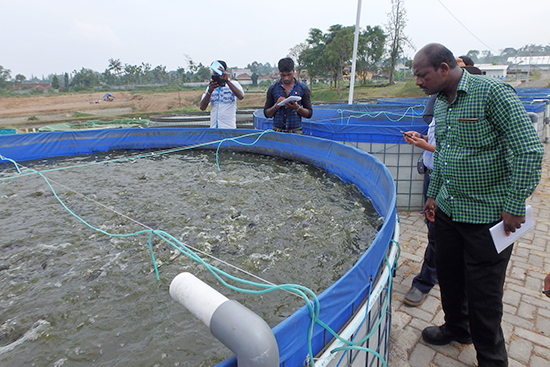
299	129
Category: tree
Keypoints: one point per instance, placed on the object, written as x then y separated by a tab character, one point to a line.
295	52
132	73
20	78
115	67
159	74
339	51
312	58
370	51
85	79
474	55
397	21
55	82
5	75
254	78
146	71
66	80
328	55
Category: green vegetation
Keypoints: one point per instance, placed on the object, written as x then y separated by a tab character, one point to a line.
79	114
536	75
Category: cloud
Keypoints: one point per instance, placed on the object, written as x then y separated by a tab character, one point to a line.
94	33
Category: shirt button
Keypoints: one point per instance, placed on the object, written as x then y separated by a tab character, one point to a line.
448	145
448	181
445	163
452	198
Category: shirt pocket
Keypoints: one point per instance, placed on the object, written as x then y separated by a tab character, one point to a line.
474	132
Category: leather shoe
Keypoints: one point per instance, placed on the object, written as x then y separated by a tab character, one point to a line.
440	335
414	297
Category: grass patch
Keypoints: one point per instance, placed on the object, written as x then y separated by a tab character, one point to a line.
79	114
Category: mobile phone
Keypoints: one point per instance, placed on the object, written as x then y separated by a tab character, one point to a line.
546	291
404	133
215	67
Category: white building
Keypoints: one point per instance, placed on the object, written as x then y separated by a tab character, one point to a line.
497	71
526	63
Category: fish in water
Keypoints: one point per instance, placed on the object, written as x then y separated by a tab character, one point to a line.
94	275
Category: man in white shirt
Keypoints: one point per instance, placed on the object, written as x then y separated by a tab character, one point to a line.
222	93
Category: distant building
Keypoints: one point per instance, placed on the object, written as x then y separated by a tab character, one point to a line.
235	73
243	79
496	71
32	86
529	63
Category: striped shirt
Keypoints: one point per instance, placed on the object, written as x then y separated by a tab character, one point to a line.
488	155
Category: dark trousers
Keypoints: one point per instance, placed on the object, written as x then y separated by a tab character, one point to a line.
471	278
427	277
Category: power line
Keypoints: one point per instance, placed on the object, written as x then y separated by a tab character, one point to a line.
466	28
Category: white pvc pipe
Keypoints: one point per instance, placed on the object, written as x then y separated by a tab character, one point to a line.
238	328
196	296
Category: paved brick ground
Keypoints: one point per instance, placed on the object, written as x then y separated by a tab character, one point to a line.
526	320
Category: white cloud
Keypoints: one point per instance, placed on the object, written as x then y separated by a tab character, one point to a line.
94	33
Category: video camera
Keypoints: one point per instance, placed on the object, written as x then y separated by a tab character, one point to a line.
218	79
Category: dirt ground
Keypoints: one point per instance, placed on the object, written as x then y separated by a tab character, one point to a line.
34	111
15	112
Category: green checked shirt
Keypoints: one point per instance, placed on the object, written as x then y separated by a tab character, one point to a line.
488	155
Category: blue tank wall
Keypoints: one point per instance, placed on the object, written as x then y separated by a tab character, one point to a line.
339	301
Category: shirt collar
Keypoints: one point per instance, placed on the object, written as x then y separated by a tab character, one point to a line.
282	85
464	83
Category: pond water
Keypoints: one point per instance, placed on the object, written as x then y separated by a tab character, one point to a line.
72	296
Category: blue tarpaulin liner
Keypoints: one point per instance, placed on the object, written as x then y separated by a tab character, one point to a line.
340	300
381	122
356	125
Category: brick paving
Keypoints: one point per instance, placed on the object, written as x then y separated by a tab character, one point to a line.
526	319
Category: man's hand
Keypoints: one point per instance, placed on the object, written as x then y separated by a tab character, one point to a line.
212	85
511	222
225	74
293	105
429	209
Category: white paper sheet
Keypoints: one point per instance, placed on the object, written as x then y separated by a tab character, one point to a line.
289	99
502	241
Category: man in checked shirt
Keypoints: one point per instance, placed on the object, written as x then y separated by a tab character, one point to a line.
486	163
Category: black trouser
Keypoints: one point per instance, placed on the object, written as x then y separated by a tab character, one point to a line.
427	278
471	278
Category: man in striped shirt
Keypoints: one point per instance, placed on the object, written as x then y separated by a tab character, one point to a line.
487	162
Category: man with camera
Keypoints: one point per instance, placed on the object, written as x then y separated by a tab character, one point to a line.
223	94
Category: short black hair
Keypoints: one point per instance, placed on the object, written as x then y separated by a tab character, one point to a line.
467	60
224	64
286	64
437	54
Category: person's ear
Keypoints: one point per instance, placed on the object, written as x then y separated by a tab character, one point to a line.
444	68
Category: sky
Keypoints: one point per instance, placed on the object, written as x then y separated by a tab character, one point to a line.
42	37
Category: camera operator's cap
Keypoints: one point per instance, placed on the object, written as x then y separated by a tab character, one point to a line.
215	67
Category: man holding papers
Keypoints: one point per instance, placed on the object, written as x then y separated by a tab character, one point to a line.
486	163
288	100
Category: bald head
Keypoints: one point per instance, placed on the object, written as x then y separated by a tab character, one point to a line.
436	54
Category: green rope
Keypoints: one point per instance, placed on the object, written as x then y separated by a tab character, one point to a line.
376	114
310	298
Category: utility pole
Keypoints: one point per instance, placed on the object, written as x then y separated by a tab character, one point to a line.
354	58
